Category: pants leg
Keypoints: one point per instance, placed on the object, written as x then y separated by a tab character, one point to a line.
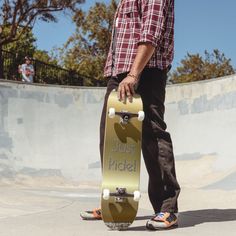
163	188
113	83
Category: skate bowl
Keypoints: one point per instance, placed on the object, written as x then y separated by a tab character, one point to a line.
49	135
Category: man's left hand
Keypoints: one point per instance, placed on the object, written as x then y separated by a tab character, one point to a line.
126	88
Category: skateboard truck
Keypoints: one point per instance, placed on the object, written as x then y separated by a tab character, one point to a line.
125	116
121	194
124	119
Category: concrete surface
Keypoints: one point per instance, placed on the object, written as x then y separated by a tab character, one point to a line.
54	211
50	170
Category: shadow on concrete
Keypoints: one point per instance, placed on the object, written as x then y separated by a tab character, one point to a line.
147	217
137	228
192	218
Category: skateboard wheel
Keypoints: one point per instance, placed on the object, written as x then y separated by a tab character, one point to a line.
111	112
106	194
137	196
141	115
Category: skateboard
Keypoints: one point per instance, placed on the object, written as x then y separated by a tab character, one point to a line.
121	161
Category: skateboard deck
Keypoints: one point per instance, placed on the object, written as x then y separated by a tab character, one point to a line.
121	161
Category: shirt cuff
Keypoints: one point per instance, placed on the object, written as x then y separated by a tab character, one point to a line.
148	38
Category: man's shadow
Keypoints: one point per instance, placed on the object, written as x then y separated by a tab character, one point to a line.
193	218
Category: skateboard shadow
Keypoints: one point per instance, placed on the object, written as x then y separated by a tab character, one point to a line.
129	130
193	218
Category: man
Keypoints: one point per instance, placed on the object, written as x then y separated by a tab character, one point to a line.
27	71
140	56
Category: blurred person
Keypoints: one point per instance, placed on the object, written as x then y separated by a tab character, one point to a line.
27	70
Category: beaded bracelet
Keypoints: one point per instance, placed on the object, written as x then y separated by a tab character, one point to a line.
133	76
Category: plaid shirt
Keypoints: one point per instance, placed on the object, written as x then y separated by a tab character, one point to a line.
141	21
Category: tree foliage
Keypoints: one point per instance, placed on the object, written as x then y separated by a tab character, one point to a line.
20	15
25	46
45	57
87	49
195	67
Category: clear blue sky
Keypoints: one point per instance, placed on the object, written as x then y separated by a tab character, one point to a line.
199	25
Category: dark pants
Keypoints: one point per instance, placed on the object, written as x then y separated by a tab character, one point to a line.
163	188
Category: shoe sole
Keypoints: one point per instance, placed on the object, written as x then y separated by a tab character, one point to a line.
151	227
89	217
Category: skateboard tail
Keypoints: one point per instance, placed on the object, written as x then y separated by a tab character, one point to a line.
118	226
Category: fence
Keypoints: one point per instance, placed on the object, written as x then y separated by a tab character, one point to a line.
44	73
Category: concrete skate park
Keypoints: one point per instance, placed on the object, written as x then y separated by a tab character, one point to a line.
50	169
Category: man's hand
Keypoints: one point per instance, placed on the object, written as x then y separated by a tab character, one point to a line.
126	88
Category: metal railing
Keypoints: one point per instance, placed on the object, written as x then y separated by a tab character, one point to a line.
45	73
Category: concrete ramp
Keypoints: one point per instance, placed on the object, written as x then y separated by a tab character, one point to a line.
202	120
49	134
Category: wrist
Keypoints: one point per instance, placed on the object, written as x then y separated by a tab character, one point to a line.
135	76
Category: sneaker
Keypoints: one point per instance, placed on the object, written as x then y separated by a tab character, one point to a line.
96	214
162	221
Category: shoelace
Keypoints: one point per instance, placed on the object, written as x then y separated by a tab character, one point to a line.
160	215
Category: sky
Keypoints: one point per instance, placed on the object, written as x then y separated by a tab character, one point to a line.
199	25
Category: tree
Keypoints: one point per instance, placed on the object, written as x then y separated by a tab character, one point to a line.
194	67
20	15
87	49
25	46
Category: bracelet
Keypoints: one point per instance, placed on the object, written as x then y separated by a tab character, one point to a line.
133	76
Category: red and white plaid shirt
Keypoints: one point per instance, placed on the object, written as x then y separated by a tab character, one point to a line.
140	21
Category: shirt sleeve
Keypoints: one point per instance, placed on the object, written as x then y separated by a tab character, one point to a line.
153	20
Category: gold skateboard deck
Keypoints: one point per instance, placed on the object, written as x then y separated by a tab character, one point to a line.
121	161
